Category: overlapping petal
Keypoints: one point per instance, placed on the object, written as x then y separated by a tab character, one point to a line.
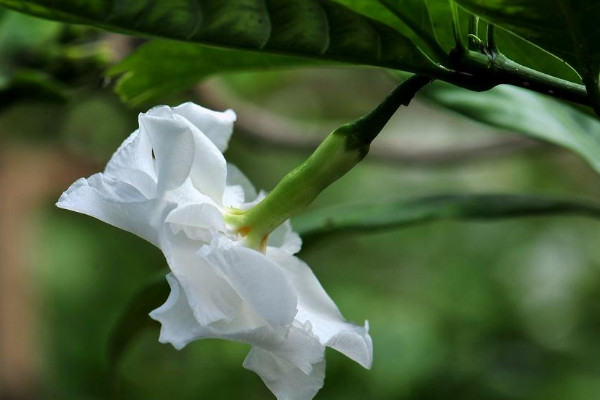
199	221
236	178
260	282
211	297
117	203
316	307
132	163
170	184
285	239
216	126
285	380
291	365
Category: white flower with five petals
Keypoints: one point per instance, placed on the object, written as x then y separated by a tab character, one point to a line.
170	184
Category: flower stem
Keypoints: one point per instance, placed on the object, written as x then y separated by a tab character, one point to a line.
336	155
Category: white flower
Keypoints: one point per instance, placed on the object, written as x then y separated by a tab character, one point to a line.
170	184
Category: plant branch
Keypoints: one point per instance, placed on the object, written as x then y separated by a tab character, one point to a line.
491	44
339	152
480	72
591	84
370	125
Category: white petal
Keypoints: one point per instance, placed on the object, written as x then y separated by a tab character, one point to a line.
259	197
235	177
316	307
132	163
182	150
117	203
188	194
285	380
354	342
296	345
211	297
173	146
233	196
260	282
285	239
197	220
217	126
301	348
209	171
292	365
178	325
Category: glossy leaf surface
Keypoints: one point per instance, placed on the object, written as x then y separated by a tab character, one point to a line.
160	67
312	28
565	28
531	114
430	20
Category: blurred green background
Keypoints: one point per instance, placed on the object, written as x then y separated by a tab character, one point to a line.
458	310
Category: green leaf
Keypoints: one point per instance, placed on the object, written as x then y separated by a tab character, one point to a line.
402	213
374	10
431	22
159	67
428	23
525	112
532	56
135	319
565	28
312	28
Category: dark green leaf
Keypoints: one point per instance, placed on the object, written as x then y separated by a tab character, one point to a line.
160	67
566	28
431	22
532	56
522	111
374	10
402	213
313	28
135	319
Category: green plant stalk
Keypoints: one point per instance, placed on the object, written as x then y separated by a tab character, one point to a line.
479	72
593	89
336	155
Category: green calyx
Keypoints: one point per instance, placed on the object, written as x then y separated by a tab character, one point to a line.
331	160
336	155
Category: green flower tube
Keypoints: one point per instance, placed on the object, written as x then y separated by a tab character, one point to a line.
336	155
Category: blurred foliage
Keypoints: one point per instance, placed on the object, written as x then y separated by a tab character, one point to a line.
44	61
377	216
504	310
498	311
160	68
525	112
